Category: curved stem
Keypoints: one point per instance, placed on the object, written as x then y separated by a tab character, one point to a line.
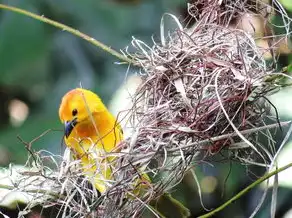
70	30
244	191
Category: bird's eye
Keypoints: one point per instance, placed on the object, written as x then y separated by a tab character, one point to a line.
74	112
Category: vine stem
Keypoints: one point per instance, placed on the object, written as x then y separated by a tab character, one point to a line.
247	189
70	30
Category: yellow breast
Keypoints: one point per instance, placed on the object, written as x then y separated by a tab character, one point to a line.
92	144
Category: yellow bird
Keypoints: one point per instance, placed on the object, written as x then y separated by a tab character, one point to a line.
91	132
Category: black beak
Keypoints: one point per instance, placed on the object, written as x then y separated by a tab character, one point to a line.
69	126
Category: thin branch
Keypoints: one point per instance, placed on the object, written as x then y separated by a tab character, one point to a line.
71	30
247	189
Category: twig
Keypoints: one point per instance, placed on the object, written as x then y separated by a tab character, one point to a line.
70	30
244	191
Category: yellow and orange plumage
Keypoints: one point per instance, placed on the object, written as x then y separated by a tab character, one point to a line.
91	132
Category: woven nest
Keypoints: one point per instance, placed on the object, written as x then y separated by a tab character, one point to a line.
204	95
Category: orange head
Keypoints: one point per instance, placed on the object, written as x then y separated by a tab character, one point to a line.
78	106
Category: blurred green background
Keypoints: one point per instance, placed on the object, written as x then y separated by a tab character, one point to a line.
39	63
